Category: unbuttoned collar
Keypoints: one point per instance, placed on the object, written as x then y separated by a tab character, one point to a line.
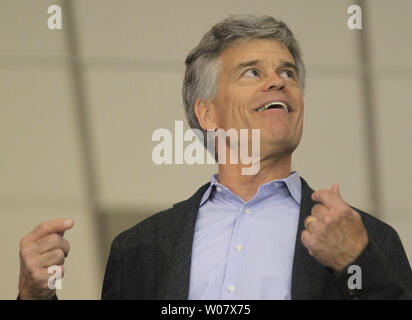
292	182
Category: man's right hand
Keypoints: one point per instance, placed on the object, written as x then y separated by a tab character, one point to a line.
40	249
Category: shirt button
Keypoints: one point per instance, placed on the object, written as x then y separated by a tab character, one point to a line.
247	210
239	247
219	189
232	288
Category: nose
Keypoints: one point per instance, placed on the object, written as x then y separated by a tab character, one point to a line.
274	82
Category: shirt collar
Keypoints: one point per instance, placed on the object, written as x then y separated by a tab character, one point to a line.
293	183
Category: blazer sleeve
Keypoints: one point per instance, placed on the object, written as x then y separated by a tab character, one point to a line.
113	274
53	298
385	271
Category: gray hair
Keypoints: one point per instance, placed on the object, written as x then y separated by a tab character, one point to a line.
203	65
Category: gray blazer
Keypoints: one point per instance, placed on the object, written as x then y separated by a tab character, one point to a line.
152	259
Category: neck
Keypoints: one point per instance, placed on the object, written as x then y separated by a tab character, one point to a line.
246	186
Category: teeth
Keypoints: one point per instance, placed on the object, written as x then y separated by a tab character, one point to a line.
284	106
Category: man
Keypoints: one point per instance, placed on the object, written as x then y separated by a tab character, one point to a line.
261	236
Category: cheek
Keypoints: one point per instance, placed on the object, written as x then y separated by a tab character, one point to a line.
231	109
299	102
299	98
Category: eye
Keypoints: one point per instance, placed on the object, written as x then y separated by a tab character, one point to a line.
288	74
251	73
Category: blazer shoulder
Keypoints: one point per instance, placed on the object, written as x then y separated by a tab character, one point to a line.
377	229
164	221
144	229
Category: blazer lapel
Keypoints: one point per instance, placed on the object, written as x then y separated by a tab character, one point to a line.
308	275
176	283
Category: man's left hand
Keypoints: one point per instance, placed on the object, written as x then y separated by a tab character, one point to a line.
334	234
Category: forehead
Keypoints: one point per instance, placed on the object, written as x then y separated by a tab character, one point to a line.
264	49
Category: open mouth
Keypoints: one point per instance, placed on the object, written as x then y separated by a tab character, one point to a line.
274	105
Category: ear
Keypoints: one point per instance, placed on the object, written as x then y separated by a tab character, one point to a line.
204	111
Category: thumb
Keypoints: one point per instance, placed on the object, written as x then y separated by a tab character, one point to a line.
335	189
69	224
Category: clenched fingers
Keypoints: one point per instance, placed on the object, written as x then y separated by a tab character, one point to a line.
39	250
328	198
52	257
59	225
309	241
319	211
53	241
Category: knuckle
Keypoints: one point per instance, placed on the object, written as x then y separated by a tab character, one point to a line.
305	236
316	206
310	242
342	207
42	228
355	214
23	242
327	219
60	253
24	253
31	264
357	220
315	228
322	230
55	238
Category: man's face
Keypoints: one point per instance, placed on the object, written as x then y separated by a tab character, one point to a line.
254	74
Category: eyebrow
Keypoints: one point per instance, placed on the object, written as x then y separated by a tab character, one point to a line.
288	64
245	64
283	64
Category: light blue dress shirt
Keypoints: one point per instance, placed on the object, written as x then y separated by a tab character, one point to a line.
244	250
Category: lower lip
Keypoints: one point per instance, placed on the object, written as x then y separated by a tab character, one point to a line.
276	111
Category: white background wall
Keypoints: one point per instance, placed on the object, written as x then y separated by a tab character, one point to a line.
132	55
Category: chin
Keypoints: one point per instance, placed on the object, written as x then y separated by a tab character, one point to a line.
276	146
277	137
